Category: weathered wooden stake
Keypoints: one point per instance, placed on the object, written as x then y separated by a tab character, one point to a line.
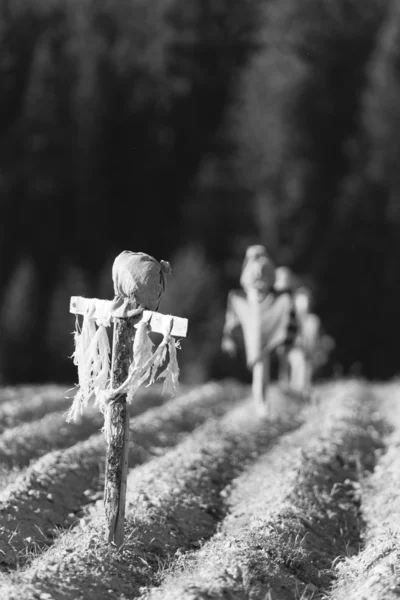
260	381
117	411
118	444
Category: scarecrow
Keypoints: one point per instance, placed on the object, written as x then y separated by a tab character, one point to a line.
258	316
139	283
284	285
312	346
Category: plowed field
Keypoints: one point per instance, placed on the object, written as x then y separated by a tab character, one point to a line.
222	502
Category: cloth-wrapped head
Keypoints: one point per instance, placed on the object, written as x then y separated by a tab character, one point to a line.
303	300
139	283
284	279
258	271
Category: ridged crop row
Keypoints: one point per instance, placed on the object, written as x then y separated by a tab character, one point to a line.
374	573
290	514
221	503
174	502
24	443
51	494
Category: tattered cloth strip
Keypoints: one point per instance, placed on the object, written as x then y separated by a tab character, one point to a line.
91	356
145	366
139	282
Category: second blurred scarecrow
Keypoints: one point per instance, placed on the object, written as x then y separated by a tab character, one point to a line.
284	286
312	346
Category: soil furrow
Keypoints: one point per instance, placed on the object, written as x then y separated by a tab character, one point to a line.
31	404
37	402
374	573
291	515
173	503
20	392
52	492
25	443
9	476
21	445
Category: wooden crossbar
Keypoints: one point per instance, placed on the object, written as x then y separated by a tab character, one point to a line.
157	321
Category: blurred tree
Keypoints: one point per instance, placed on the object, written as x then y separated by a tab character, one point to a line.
193	292
298	135
151	125
58	332
381	110
17	325
108	108
369	221
34	153
300	100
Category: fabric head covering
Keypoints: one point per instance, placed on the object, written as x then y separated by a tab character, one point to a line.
258	271
139	283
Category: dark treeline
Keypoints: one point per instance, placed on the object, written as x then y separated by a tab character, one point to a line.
189	129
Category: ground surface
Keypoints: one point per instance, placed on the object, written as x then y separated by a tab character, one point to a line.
222	502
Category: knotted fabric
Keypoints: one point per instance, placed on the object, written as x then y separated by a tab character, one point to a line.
92	355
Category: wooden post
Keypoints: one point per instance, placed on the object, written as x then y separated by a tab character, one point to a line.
260	383
117	411
118	444
260	370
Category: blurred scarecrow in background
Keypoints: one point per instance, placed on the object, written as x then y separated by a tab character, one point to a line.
284	286
259	316
312	346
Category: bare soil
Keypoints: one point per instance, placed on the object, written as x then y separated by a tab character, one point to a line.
290	515
24	443
173	502
51	494
374	573
30	403
222	503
